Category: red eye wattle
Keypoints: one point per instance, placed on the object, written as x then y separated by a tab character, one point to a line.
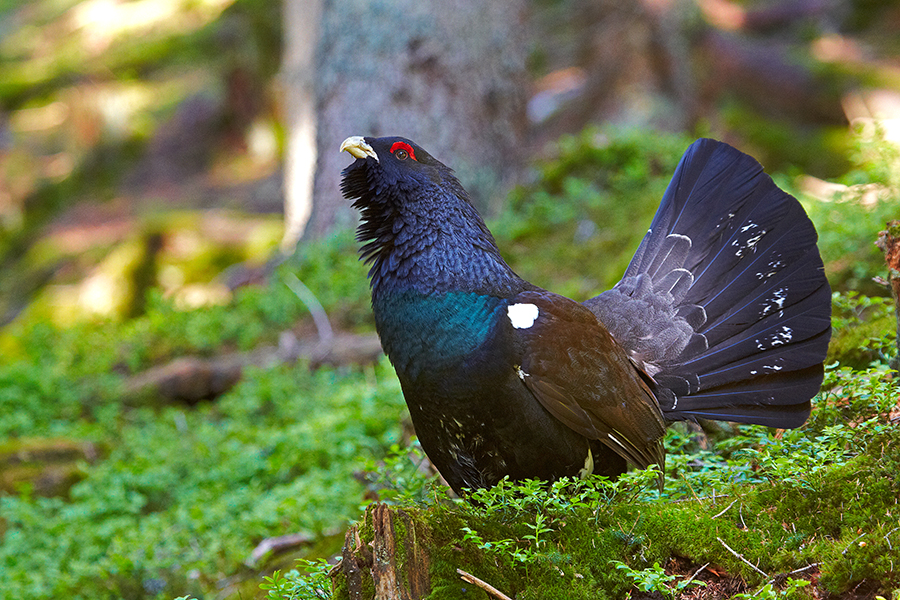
402	150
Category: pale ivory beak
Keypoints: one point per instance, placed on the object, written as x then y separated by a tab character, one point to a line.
357	147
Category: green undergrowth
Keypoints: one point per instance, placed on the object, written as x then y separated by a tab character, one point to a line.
864	330
177	496
185	495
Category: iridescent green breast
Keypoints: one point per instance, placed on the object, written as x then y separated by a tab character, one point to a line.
433	330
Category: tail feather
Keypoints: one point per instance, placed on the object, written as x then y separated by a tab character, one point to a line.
736	306
725	304
770	335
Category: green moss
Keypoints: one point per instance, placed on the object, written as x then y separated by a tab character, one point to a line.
864	330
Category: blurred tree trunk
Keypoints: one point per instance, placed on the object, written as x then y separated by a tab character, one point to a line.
301	33
449	75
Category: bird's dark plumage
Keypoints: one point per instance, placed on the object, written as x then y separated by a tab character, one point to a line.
724	313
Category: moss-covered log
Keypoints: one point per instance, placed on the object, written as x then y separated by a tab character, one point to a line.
44	466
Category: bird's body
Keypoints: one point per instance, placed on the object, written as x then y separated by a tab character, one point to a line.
723	313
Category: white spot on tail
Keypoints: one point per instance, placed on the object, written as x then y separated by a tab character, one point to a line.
522	374
778	338
750	243
776	302
522	316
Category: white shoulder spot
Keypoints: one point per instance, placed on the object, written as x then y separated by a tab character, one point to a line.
522	316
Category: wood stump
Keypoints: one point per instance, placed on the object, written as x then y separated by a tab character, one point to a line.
392	565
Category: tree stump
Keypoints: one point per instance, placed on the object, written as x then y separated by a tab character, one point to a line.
392	565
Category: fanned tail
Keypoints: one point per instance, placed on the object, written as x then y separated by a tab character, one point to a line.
725	304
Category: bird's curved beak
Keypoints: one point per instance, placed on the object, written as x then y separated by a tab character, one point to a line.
356	145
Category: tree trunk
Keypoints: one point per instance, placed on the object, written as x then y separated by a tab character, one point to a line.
448	75
889	243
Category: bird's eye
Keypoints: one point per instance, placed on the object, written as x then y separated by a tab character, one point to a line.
402	151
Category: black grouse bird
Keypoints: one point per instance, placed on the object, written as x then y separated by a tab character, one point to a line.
724	313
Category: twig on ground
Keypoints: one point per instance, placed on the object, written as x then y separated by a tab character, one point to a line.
844	551
724	510
889	541
468	577
801	569
697	572
741	557
319	316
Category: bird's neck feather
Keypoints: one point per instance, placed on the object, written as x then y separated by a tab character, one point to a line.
425	333
432	251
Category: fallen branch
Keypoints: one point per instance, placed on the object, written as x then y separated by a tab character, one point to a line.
277	544
191	379
469	578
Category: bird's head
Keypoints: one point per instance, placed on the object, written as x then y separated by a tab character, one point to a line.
392	169
414	212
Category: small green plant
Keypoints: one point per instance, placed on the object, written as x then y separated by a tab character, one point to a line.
400	477
508	551
769	592
655	579
315	584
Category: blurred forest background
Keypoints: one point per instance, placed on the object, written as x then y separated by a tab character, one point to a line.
191	391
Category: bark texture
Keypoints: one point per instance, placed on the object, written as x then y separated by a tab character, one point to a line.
889	243
393	566
448	75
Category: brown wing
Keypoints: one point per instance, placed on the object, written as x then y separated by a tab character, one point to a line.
575	369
